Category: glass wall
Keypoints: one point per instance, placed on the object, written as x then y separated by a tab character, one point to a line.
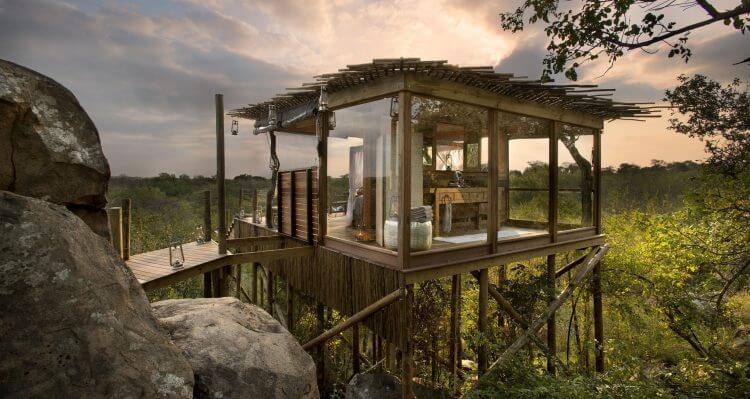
576	177
363	174
449	175
523	175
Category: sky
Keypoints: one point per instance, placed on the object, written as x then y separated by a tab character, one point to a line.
146	71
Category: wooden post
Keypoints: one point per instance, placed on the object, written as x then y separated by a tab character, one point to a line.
309	200
125	228
289	307
551	323
255	205
404	200
554	134
598	180
407	348
207	279
455	328
255	282
321	128
115	229
501	276
503	176
492	207
238	282
270	285
239	202
220	176
596	287
482	322
355	349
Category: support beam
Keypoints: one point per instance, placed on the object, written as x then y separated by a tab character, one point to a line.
454	338
115	229
254	217
355	349
126	228
256	283
551	322
580	274
270	288
407	345
355	318
238	281
596	286
482	321
289	307
208	291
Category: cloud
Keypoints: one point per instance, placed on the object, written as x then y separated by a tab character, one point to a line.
146	71
147	81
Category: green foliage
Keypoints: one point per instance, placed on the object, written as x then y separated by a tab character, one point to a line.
588	30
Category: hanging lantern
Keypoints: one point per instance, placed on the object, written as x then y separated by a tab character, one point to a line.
323	100
394	107
176	255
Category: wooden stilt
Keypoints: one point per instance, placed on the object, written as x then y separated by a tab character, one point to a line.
125	228
455	328
270	285
255	282
598	318
501	276
238	281
208	292
482	322
115	229
551	325
407	349
289	307
355	349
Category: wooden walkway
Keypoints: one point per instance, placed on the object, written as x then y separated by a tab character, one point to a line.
152	269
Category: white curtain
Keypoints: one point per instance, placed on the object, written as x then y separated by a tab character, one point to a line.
356	157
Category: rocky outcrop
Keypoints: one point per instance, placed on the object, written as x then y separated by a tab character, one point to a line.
237	350
75	323
386	386
49	147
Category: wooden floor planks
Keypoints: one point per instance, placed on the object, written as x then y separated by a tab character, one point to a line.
154	265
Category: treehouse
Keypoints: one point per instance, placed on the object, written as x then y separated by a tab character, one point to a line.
426	170
420	171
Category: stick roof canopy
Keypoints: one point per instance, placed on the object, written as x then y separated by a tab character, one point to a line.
584	99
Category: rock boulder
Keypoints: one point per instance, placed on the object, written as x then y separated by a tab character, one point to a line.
75	322
49	147
237	350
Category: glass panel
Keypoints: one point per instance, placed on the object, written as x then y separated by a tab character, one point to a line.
523	175
449	196
363	175
576	177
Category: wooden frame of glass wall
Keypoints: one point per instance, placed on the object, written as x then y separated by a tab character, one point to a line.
405	86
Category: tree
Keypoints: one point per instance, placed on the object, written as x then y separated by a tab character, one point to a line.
717	115
611	28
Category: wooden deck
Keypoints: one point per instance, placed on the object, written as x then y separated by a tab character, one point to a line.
152	269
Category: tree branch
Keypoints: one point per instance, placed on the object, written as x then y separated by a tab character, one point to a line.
739	10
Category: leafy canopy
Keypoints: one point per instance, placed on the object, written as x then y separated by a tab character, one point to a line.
608	29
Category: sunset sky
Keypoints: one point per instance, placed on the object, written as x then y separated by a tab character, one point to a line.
146	71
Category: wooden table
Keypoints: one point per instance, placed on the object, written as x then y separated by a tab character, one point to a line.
456	195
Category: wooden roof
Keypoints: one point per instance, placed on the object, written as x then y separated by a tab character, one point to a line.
581	98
